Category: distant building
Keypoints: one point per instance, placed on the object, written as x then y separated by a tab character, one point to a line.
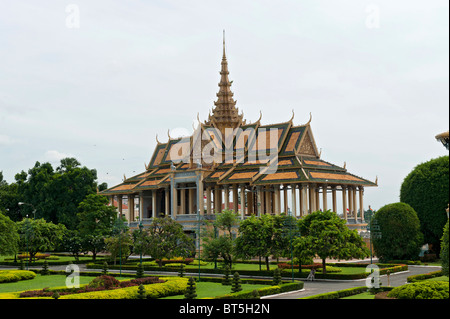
228	163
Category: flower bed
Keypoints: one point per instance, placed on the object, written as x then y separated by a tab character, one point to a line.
97	284
171	286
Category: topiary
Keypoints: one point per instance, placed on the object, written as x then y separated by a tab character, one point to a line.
276	277
226	281
400	232
191	289
236	284
426	189
141	292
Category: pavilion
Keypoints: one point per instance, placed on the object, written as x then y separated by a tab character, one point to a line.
228	163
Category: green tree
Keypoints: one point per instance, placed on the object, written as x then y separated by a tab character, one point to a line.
73	243
56	193
96	220
444	250
9	237
400	233
255	238
426	189
303	252
37	235
9	199
220	243
328	236
165	238
119	244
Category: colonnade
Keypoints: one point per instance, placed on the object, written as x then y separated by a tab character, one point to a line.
298	199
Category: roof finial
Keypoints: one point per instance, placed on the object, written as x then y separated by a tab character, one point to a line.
224	43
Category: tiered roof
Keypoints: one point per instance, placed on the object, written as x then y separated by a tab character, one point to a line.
296	157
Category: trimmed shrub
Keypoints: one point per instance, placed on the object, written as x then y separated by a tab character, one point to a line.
15	275
421	290
426	189
339	294
249	294
421	277
191	291
236	284
172	286
104	281
400	232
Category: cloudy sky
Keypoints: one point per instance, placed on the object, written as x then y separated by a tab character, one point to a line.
98	80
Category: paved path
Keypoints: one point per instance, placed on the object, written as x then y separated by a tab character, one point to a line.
322	286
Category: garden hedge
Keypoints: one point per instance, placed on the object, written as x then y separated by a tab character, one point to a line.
15	275
173	286
421	277
421	290
272	290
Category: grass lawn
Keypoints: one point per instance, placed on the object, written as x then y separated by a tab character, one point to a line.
212	289
40	282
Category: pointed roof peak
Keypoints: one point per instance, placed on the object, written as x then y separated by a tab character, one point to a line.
224	56
225	114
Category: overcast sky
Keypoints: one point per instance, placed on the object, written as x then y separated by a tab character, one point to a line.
97	80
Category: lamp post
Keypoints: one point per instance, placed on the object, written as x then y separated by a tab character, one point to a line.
34	209
27	230
141	226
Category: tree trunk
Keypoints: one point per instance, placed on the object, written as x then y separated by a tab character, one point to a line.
267	263
324	267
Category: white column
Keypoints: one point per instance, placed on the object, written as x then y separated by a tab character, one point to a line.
208	200
154	212
300	197
294	200
361	205
242	201
324	193
167	198
344	202
141	206
227	196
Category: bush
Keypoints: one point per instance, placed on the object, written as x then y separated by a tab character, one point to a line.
250	294
400	232
421	277
172	286
426	189
339	294
104	281
15	275
421	290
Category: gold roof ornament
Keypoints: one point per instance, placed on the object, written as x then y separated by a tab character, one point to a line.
225	114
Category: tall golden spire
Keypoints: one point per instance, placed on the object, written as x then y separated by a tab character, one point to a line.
225	114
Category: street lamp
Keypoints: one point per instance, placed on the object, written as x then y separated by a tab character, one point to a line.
141	226
34	209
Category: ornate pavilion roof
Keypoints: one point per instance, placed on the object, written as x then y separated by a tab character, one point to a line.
296	154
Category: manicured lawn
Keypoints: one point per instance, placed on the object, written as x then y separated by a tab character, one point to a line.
213	289
364	295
